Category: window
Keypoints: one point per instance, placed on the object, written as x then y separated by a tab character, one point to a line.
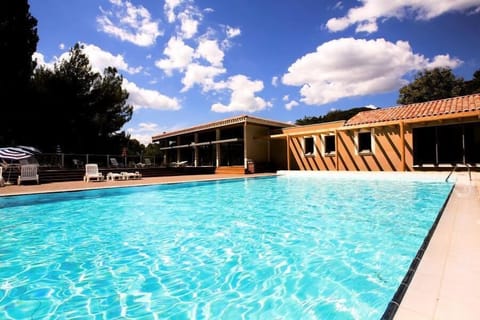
309	146
365	142
448	144
329	144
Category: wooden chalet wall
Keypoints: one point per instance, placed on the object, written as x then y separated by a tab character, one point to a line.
387	154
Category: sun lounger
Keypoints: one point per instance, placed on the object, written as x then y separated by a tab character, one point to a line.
28	172
178	164
114	176
147	163
115	164
131	175
92	173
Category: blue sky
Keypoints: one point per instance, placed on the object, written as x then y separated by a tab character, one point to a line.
188	62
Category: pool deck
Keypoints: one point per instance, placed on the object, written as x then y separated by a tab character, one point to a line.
446	284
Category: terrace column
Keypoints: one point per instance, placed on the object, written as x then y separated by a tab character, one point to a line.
217	148
402	146
245	151
178	149
288	152
195	150
336	150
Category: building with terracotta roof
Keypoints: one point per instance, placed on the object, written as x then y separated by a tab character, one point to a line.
230	145
434	134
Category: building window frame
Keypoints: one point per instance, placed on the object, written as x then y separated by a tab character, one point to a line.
329	145
309	146
365	142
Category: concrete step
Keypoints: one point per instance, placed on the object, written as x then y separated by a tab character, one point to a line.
230	170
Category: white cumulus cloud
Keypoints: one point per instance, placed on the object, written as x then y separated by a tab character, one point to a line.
350	67
233	32
143	132
129	23
189	22
101	59
367	15
210	51
242	96
179	56
274	81
289	105
199	58
169	8
149	99
40	59
443	61
204	76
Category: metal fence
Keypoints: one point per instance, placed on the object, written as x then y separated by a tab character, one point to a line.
74	160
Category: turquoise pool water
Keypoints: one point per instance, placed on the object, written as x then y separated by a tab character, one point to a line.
259	248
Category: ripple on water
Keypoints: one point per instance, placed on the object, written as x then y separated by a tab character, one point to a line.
254	249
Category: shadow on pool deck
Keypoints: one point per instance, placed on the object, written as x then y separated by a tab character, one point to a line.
446	284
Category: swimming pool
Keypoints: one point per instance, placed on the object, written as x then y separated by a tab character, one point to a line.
281	247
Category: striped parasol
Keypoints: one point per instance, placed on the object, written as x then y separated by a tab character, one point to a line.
12	153
30	149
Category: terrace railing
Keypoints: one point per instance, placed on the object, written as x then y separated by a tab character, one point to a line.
77	160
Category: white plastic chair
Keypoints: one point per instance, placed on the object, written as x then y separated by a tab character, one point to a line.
28	172
92	172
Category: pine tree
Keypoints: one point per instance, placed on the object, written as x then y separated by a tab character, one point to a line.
18	42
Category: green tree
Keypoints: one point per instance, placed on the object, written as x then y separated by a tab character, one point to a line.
473	86
334	115
18	42
81	110
109	110
434	84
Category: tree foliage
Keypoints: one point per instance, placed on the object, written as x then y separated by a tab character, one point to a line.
434	84
18	42
334	115
473	86
80	110
72	106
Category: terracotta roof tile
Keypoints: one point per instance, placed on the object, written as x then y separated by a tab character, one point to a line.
418	110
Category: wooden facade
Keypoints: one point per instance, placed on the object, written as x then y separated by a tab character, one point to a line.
231	142
433	134
389	151
388	139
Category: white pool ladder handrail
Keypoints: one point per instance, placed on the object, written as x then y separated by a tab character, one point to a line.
456	166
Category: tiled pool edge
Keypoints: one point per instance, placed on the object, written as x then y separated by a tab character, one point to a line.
372	175
446	284
423	300
75	186
394	304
